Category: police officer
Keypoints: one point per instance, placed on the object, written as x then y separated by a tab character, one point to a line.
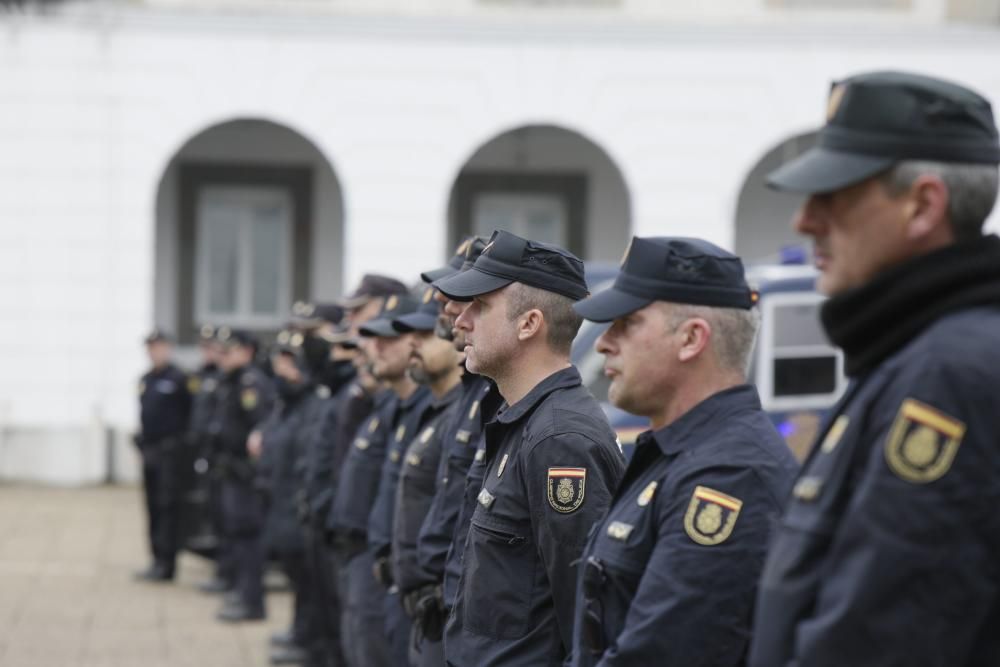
447	519
552	459
246	396
165	406
202	385
436	364
390	351
357	484
669	575
284	437
888	551
353	390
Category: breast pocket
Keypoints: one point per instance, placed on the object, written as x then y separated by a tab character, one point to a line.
499	581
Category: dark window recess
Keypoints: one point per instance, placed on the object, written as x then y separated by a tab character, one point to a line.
569	187
196	176
805	376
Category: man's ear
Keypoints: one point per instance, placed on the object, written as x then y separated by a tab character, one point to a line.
695	334
529	324
926	210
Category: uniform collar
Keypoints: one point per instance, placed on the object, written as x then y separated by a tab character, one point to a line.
383	397
564	379
450	397
690	428
413	399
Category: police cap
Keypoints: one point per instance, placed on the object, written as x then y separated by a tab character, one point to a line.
158	336
679	270
470	246
424	318
508	258
372	285
236	337
394	306
877	119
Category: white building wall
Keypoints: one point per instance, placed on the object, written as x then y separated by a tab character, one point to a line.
91	112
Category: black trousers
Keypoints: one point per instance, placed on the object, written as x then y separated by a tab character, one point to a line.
161	487
323	640
243	514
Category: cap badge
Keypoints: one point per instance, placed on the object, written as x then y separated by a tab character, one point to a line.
628	249
836	97
392	302
428	294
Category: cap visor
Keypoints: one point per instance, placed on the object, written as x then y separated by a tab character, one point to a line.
437	274
820	170
609	304
378	328
414	322
468	284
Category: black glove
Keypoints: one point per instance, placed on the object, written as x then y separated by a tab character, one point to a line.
426	607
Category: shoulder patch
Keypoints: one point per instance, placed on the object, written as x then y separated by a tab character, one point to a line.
248	398
566	488
711	516
922	443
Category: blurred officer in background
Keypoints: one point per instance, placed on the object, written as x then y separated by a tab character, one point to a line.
164	410
888	551
436	364
203	385
669	575
356	486
390	353
351	403
284	437
246	396
460	442
552	459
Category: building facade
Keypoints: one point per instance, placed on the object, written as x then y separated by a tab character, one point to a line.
172	162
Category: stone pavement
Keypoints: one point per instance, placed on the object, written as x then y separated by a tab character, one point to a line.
67	598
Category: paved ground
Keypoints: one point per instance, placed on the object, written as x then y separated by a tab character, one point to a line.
67	598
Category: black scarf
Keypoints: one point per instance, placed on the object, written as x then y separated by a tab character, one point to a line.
872	322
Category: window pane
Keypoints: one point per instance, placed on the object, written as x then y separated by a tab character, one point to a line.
539	217
804	376
798	325
220	229
270	229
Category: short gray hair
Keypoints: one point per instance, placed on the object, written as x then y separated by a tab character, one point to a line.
562	321
972	190
734	331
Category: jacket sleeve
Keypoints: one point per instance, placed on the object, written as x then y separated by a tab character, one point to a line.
916	545
694	598
560	530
